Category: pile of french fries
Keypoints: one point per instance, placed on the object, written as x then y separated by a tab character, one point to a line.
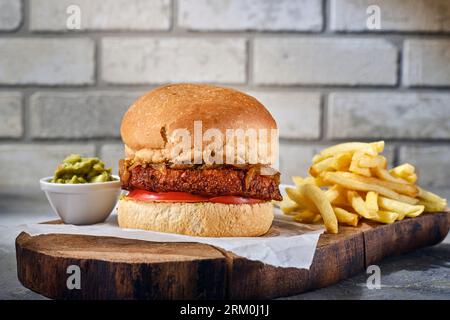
349	182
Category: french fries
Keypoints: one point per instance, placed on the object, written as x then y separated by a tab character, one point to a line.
433	206
298	197
372	162
405	171
357	184
401	208
372	202
307	216
383	174
337	196
289	206
299	180
337	162
386	217
345	217
318	197
359	205
368	148
352	181
355	168
431	201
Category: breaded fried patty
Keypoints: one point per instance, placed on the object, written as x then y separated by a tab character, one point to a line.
221	181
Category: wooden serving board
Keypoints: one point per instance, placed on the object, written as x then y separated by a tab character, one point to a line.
113	268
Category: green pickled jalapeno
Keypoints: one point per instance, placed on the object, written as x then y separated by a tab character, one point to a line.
75	169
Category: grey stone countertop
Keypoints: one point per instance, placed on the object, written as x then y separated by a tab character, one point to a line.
423	274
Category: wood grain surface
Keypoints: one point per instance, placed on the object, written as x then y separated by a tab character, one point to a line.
113	268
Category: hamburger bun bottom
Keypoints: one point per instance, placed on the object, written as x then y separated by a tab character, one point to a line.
203	219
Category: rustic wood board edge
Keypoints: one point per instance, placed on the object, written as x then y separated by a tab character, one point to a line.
429	230
177	270
217	274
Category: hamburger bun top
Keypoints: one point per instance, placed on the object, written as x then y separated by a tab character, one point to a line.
148	124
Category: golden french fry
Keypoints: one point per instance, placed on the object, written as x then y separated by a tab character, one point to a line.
337	196
412	178
402	188
416	213
299	180
431	201
405	171
401	216
359	205
407	199
433	206
342	161
345	217
386	175
357	155
372	202
332	194
407	189
372	162
386	216
300	199
317	218
290	210
288	206
354	182
317	158
354	165
378	146
324	165
355	168
306	216
430	196
369	148
318	197
338	162
320	182
401	208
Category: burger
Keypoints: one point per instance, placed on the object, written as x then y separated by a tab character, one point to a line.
199	160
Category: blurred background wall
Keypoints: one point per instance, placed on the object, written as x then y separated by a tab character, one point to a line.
324	75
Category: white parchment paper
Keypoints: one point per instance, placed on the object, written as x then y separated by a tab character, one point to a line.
287	244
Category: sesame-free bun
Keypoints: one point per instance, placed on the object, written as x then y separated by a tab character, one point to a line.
203	219
148	124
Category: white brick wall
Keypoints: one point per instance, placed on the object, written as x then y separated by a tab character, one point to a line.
323	75
296	113
323	61
46	61
432	162
264	15
140	60
81	114
398	15
10	115
100	15
10	14
22	165
427	62
111	153
388	115
296	160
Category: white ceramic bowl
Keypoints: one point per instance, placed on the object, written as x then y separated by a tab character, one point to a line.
85	203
